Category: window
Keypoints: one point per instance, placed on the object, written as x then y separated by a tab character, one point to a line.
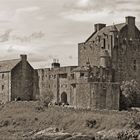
2	87
63	75
104	43
134	65
72	76
111	41
2	76
81	74
54	76
42	77
99	39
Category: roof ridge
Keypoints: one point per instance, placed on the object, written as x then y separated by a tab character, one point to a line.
9	60
115	24
119	26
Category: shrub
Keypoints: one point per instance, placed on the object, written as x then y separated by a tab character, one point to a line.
46	98
91	123
129	94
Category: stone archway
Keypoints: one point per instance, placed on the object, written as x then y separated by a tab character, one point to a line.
64	98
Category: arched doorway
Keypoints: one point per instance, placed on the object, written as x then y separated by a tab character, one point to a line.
64	98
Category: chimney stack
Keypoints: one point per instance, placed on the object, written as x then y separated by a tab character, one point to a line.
99	26
23	57
55	63
130	21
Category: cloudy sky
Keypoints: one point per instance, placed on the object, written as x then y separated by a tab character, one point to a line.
48	29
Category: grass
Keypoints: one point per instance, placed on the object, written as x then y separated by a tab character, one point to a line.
20	118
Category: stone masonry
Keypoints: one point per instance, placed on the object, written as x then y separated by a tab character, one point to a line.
109	56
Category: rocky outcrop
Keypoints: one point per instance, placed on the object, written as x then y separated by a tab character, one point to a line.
118	134
56	134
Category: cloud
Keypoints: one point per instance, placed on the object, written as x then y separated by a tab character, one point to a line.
82	3
95	11
27	9
33	36
86	16
127	1
5	36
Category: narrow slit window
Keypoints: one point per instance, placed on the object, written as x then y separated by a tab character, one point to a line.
135	65
104	43
2	76
111	41
2	87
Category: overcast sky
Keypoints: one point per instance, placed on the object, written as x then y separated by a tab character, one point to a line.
47	29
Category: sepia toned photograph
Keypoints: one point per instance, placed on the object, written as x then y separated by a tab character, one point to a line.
69	69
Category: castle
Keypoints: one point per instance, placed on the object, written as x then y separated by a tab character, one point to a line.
108	57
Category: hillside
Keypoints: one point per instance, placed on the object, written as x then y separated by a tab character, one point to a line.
21	120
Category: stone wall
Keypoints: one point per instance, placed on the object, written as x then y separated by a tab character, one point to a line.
5	88
128	56
22	81
97	95
88	52
35	85
55	81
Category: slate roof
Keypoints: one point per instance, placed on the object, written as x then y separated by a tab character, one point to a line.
106	30
8	65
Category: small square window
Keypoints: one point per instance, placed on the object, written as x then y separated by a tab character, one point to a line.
82	74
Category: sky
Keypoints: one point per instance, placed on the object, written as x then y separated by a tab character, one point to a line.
51	29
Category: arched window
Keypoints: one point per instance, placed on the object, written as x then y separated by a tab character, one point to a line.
64	98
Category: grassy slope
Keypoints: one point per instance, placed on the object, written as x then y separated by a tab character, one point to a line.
19	118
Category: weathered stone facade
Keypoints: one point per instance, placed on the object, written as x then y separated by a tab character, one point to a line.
97	95
122	45
56	81
16	80
108	57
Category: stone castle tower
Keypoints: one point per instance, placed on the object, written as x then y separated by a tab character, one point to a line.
116	47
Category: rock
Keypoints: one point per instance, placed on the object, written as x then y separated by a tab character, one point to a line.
82	137
118	134
91	123
51	133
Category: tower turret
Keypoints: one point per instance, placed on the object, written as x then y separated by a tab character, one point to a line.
104	59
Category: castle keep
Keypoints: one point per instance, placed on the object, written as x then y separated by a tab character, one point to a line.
108	57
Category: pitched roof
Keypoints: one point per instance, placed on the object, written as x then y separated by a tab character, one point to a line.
8	65
106	30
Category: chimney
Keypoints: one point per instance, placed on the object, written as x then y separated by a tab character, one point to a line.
23	57
130	21
55	63
99	26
